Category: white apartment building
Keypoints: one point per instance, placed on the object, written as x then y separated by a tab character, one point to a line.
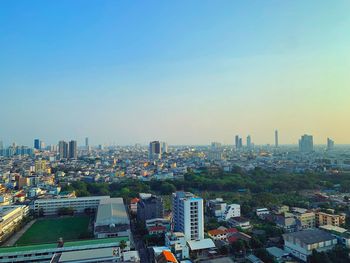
79	204
188	215
233	210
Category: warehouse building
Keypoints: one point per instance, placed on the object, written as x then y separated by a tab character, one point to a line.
111	219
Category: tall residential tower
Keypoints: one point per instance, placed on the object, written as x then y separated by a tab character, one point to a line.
188	215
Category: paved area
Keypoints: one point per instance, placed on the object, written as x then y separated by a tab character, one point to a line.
12	240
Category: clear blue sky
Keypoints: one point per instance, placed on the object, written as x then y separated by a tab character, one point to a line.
180	71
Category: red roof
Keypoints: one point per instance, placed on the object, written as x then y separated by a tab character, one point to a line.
231	230
232	239
216	232
134	200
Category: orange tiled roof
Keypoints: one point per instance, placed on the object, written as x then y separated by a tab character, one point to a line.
216	232
169	256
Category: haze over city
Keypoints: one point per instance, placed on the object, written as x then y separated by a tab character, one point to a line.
187	72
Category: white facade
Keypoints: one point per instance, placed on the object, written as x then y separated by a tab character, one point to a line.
262	211
177	243
233	210
188	215
79	204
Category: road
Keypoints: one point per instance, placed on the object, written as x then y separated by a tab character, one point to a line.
139	244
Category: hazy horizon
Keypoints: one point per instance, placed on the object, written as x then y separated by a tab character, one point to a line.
185	72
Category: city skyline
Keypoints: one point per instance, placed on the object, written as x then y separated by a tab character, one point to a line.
237	143
125	73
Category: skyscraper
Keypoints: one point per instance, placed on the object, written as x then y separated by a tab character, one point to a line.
155	150
73	151
87	143
188	216
276	138
249	142
238	142
1	145
306	143
63	149
215	152
330	144
37	144
164	147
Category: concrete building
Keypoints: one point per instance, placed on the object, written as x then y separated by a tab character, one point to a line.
149	207
307	220
40	166
176	241
306	144
10	217
155	150
216	207
300	244
238	142
342	234
276	138
52	252
249	142
73	150
63	149
329	219
232	210
37	144
330	144
188	215
49	207
111	219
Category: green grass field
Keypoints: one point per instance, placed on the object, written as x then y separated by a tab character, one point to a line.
50	230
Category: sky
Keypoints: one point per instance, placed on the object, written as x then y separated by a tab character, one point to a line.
186	72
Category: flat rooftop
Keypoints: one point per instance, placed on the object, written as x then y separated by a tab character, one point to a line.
311	236
90	254
89	242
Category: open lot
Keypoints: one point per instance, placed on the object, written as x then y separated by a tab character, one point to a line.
49	230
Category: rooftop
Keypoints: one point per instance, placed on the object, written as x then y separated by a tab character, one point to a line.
201	244
111	211
16	249
311	236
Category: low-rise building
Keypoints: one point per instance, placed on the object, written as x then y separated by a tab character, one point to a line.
216	207
158	222
301	244
239	222
307	220
111	219
323	218
51	252
342	234
262	212
176	241
232	210
49	207
10	218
